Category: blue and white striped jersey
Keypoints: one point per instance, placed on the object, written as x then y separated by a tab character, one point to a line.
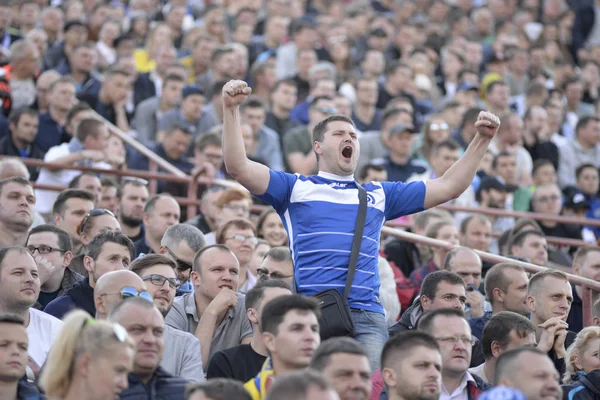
319	213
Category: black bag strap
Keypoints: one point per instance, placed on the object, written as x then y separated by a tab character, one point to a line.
356	241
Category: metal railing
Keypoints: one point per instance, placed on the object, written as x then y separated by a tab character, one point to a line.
589	286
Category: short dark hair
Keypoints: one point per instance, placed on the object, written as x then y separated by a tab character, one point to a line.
11	319
582	168
495	84
364	171
320	129
498	330
285	81
275	310
584	121
94	249
218	389
219	51
88	127
4	251
495	278
14	179
539	163
427	320
449	144
279	254
64	240
75	181
336	345
465	222
253	102
172	78
507	361
519	238
431	282
151	203
255	295
315	100
65	195
150	260
499	155
109	182
76	109
295	385
208	139
470	116
17	113
398	345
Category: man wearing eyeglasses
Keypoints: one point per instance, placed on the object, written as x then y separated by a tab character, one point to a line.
116	286
277	264
182	349
239	236
452	332
51	248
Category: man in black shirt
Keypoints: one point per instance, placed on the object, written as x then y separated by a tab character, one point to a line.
243	362
23	127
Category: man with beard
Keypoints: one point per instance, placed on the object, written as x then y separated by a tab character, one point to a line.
19	290
410	365
16	211
23	126
133	196
530	371
181	355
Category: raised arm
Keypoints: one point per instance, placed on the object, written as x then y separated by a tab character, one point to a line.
458	178
252	175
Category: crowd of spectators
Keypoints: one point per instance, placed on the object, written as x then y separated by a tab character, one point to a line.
109	290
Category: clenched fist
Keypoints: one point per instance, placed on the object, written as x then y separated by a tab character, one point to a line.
487	124
235	92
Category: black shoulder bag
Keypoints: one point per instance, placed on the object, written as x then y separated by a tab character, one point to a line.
336	317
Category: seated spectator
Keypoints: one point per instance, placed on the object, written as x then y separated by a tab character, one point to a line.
109	251
492	194
115	152
346	364
206	220
150	111
243	362
549	299
217	389
214	312
90	182
301	385
19	290
181	356
467	264
582	356
87	149
113	287
13	334
21	72
142	317
109	195
443	230
289	325
588	183
435	130
79	64
506	290
262	247
476	233
239	235
132	197
231	203
584	265
160	212
584	148
399	164
531	246
504	331
23	127
505	168
69	210
277	264
536	136
268	148
366	115
509	139
190	115
16	211
453	335
530	371
78	362
372	173
51	128
208	155
270	227
283	98
54	254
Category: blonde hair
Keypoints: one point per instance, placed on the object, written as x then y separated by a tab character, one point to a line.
576	350
80	334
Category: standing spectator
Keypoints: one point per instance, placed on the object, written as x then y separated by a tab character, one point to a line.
61	98
109	251
584	265
16	211
146	325
78	362
133	195
23	126
254	113
54	254
214	313
283	99
69	210
239	235
19	290
87	149
243	362
160	212
584	148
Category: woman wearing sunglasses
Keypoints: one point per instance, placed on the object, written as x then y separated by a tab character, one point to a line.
90	360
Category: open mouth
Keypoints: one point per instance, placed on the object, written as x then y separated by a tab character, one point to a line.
226	286
347	152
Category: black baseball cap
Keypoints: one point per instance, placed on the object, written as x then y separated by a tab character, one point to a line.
192	90
73	23
491	182
576	201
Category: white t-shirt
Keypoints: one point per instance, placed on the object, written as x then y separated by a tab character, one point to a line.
42	330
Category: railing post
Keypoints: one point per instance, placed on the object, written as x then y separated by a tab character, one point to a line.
192	193
152	187
587	306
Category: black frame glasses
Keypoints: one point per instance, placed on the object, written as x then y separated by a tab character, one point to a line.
264	272
181	265
96	212
44	249
159	280
128	292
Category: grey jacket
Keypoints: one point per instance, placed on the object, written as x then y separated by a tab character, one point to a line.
145	122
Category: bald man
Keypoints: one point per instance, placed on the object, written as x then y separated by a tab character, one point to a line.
115	286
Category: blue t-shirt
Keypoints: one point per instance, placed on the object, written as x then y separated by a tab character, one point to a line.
319	213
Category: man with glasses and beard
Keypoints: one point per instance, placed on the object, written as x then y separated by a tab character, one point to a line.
132	196
181	355
181	242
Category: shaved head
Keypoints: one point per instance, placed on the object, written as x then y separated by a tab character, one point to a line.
107	291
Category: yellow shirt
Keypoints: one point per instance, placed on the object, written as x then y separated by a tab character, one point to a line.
143	63
260	384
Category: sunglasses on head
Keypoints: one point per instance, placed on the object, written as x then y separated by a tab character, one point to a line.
133	179
128	292
96	212
181	265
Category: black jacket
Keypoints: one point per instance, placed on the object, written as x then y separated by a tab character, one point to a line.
584	387
162	386
81	296
8	148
